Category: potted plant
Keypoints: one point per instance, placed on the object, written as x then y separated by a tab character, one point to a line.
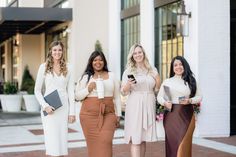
27	86
4	108
11	100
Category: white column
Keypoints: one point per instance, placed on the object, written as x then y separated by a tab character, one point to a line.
114	39
147	27
208	51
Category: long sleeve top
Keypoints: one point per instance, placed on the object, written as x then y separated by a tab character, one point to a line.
50	82
111	89
177	88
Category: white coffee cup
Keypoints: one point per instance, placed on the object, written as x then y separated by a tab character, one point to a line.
100	88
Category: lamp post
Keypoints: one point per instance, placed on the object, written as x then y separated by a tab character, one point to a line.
182	21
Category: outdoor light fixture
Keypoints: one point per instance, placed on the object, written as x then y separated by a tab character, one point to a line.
16	43
182	21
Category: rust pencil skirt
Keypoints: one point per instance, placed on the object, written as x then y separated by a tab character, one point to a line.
179	125
98	121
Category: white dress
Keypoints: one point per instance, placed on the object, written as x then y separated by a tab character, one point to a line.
55	126
140	124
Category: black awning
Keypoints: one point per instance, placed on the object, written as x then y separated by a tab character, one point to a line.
30	20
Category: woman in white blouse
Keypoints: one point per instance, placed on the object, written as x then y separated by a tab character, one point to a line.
99	117
177	94
53	75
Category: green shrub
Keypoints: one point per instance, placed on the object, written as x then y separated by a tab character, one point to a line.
10	88
27	82
98	46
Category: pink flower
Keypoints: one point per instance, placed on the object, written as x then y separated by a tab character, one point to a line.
160	117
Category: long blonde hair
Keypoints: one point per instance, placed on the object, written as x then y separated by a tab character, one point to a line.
131	64
49	60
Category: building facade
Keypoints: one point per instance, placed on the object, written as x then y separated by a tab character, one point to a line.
118	24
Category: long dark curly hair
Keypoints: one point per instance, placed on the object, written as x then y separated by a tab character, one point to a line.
187	76
89	68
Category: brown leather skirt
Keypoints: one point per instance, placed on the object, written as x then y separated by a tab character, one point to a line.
98	121
179	125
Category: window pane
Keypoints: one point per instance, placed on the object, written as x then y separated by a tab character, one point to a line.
130	34
125	4
167	44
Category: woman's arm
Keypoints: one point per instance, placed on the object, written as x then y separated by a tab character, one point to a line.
197	98
82	91
156	76
38	86
71	91
117	96
126	83
161	98
161	95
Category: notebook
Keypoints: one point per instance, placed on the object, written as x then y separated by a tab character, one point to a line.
53	100
167	95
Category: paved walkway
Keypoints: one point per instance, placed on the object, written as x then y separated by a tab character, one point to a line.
22	136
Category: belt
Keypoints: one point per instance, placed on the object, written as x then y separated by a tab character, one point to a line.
102	107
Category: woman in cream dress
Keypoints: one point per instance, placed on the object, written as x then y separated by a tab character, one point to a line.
56	75
140	124
99	117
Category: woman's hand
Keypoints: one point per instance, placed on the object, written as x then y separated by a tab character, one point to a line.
127	86
71	119
117	122
168	105
185	101
49	109
91	86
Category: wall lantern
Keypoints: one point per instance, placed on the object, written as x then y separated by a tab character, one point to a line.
183	21
16	42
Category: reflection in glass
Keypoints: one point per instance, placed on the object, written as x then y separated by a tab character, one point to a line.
130	34
167	43
125	4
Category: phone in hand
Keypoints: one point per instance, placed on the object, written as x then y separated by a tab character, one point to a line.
131	76
181	98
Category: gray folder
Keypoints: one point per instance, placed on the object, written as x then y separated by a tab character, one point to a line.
53	100
167	93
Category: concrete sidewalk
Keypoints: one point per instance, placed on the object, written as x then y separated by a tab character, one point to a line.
22	136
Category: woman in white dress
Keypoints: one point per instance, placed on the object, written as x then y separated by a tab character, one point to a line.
140	109
53	75
99	116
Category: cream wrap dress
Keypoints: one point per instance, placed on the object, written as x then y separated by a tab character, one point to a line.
140	124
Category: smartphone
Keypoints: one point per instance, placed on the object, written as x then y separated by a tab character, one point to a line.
131	76
181	98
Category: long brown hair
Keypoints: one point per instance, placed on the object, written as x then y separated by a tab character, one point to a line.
49	60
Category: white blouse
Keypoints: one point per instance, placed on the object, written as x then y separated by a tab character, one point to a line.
111	89
177	89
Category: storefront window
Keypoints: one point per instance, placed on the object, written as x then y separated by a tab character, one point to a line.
167	43
130	34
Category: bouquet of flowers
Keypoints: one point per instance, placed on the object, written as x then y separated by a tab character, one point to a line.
197	108
159	112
